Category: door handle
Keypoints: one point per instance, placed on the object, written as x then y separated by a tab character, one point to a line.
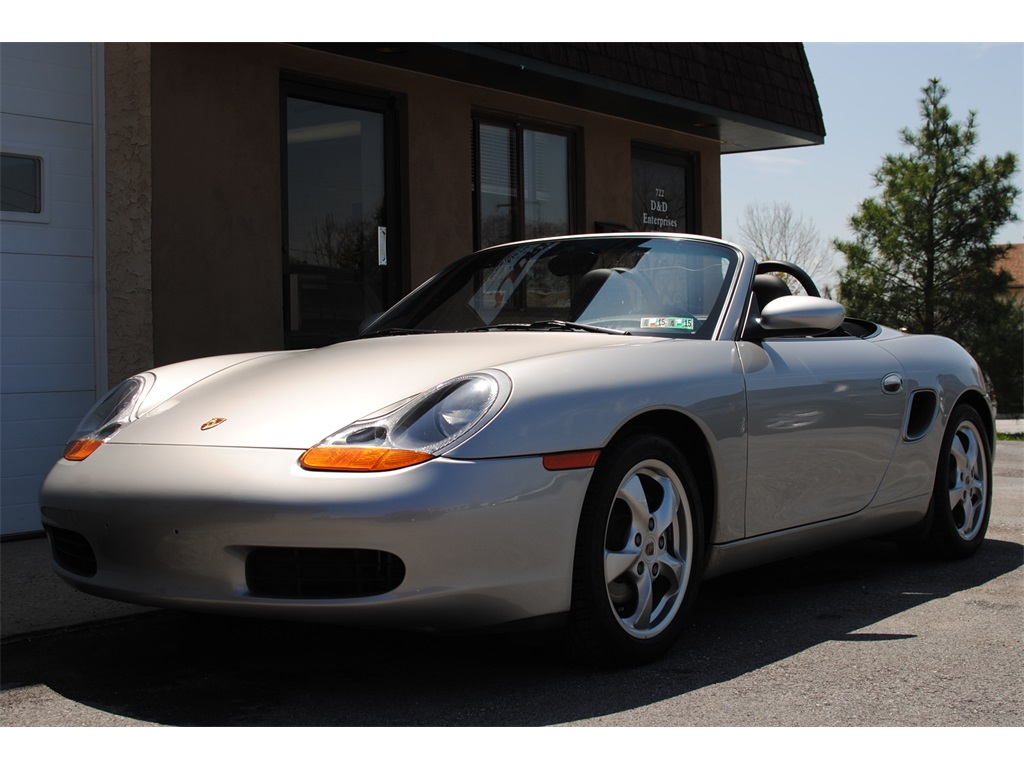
892	384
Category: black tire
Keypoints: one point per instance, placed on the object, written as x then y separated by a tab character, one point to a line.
962	496
639	553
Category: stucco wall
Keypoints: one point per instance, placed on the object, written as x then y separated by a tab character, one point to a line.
129	210
217	195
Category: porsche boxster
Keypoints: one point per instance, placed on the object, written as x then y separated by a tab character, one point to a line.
574	430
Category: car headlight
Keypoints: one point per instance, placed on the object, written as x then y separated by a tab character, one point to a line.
415	430
118	407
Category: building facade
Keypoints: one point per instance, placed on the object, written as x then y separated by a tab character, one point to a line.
269	196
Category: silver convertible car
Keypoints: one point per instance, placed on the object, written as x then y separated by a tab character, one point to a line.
575	429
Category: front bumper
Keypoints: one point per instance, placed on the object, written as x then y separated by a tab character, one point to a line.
482	542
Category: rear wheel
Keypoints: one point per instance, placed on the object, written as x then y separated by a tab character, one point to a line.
639	551
962	496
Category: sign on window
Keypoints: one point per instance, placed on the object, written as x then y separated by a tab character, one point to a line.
662	191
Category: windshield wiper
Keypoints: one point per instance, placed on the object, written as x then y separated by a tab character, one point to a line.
550	325
400	332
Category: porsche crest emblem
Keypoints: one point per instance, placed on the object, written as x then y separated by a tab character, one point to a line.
212	423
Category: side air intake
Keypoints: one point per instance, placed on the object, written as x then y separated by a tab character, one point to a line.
923	410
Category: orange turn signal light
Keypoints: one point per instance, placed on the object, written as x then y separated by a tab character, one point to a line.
574	460
341	459
77	450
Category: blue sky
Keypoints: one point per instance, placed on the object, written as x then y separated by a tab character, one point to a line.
868	92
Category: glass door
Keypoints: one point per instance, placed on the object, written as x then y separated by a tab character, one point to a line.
340	251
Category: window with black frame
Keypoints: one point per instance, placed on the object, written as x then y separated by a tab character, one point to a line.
21	187
341	240
522	182
664	190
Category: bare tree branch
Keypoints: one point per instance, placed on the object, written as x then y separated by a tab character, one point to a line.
775	232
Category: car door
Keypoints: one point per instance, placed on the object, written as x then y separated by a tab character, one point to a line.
821	428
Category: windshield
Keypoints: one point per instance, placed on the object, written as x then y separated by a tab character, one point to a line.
623	284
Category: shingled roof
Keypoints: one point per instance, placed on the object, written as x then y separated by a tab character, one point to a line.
749	96
769	83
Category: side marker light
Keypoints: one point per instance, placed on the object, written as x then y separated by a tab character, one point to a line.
575	460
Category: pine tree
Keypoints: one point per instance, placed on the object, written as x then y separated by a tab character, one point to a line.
923	256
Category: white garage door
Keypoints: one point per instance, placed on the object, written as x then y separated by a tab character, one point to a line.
47	350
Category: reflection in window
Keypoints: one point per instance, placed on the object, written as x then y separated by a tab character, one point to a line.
497	191
522	183
21	188
335	184
546	184
335	217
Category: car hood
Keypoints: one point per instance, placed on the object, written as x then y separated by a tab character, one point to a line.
295	399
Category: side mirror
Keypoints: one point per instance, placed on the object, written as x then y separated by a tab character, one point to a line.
801	313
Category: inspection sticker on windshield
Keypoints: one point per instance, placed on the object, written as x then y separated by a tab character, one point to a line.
674	323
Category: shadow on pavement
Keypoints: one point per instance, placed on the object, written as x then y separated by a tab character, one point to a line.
178	669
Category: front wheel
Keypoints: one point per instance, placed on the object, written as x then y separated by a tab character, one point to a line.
639	551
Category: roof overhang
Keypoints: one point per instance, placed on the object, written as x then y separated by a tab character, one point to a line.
489	67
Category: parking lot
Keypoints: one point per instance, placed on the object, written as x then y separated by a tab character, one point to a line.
855	636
